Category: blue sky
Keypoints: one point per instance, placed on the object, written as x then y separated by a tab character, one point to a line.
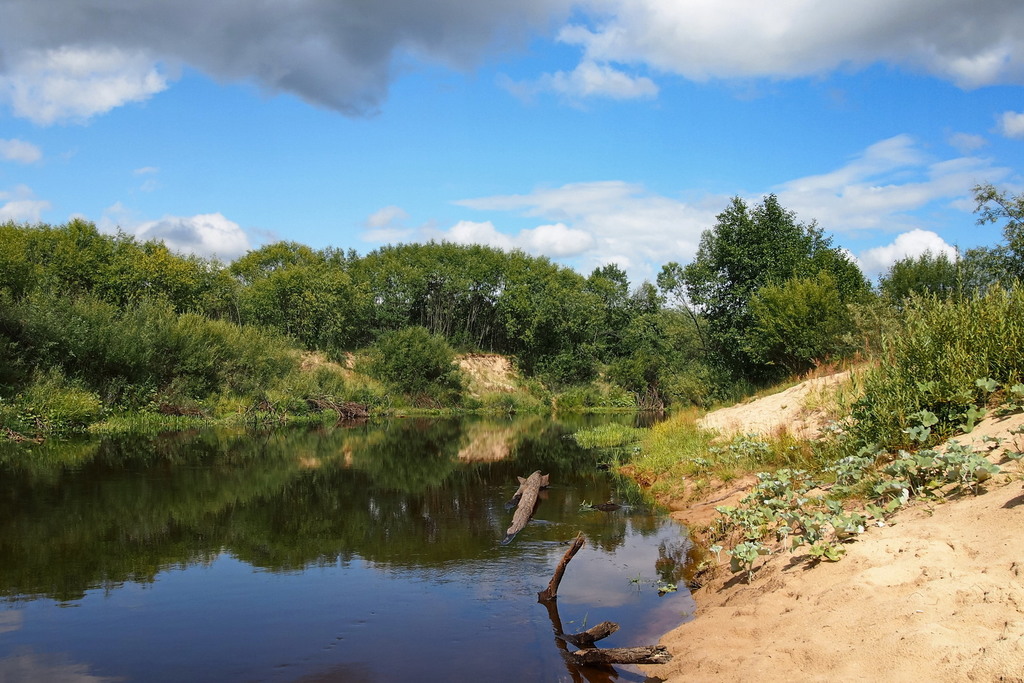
592	131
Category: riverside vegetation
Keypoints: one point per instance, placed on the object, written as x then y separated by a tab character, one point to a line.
945	348
104	332
951	362
99	329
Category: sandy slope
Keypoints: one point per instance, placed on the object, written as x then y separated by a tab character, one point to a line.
936	595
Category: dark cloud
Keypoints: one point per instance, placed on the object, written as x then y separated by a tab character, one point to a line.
340	54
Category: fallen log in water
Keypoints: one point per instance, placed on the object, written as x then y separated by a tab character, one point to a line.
589	655
649	654
551	592
529	489
523	484
587	638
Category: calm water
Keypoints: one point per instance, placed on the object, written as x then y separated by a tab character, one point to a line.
362	554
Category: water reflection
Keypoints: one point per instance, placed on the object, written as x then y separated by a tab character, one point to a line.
395	523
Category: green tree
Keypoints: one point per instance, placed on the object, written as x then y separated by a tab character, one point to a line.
984	267
925	274
994	205
744	251
645	360
798	322
450	289
672	283
19	272
299	292
1005	262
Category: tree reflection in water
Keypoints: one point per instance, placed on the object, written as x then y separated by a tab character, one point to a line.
402	496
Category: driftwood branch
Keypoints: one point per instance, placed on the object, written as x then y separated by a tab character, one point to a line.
529	489
650	654
346	410
591	635
551	592
589	655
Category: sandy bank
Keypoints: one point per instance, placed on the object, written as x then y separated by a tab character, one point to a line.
937	594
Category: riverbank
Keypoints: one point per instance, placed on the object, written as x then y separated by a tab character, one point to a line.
936	592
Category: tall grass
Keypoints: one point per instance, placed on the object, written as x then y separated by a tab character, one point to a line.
671	451
934	361
127	355
51	403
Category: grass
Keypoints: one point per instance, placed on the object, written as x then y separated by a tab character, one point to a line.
934	363
948	364
608	436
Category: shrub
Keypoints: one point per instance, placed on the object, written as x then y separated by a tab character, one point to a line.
52	403
933	365
129	355
799	322
418	363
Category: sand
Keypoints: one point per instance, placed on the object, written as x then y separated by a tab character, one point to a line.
937	594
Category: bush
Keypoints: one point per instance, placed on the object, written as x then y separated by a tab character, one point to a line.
418	363
210	354
569	367
130	355
52	403
799	322
510	402
931	366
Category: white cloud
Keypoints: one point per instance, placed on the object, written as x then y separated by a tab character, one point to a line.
21	205
387	226
969	43
208	234
387	217
965	143
879	188
588	79
75	84
556	240
116	217
471	232
892	186
592	224
20	151
913	243
388	235
1011	124
69	59
150	184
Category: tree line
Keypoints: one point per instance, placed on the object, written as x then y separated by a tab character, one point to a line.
125	321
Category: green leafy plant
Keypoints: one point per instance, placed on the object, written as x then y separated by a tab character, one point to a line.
927	470
1014	401
986	384
923	429
971	417
826	551
744	555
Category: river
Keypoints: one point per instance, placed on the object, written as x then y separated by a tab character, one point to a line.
368	553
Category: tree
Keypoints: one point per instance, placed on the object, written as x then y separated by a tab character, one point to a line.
744	251
798	322
925	274
992	206
672	283
611	285
297	291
